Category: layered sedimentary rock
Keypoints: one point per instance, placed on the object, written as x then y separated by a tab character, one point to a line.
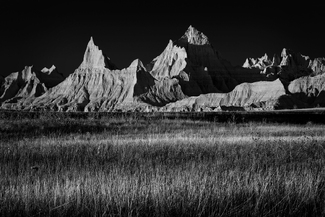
189	75
169	63
19	88
290	66
206	70
163	91
94	58
304	92
199	67
301	76
96	85
259	95
317	66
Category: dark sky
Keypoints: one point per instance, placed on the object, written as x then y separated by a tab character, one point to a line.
42	34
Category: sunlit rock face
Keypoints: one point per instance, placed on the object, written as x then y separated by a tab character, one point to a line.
261	95
189	75
301	76
195	37
260	63
305	92
93	87
289	66
95	59
169	63
317	66
19	88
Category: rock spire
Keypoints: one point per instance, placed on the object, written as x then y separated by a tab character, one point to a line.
193	36
95	58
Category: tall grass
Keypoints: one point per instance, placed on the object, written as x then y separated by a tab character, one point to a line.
138	167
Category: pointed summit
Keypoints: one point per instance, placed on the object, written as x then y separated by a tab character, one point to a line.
193	36
94	58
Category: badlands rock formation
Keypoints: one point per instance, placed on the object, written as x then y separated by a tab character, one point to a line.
248	96
290	66
304	92
96	85
189	75
302	77
95	58
20	88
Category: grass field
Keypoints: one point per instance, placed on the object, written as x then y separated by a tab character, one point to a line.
160	167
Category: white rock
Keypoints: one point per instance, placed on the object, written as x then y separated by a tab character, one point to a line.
48	70
195	37
19	88
169	63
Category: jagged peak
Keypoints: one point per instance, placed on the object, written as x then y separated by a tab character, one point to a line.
247	63
26	74
193	36
93	57
265	57
137	64
170	44
285	52
260	62
29	68
48	70
276	60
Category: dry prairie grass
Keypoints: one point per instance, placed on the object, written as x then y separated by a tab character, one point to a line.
136	167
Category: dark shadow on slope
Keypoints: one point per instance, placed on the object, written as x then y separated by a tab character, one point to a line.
109	64
301	100
210	73
144	82
51	80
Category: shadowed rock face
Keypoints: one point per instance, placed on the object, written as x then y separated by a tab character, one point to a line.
50	77
199	68
305	92
189	75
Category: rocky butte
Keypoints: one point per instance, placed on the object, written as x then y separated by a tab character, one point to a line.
189	75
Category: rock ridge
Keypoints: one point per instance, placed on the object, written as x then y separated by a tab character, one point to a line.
188	75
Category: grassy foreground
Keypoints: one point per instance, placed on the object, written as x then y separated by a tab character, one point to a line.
161	167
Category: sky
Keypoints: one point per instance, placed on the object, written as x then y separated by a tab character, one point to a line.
42	34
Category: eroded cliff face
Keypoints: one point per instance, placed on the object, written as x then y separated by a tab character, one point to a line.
261	95
19	88
199	68
189	75
94	58
289	66
96	85
304	92
169	63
